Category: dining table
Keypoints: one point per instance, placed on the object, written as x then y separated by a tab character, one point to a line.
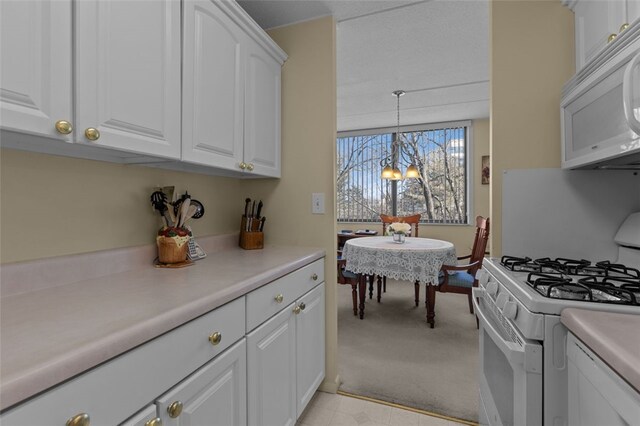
414	260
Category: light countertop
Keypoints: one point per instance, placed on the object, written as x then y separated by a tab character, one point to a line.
52	334
614	337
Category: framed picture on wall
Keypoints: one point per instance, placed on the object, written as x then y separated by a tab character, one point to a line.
486	170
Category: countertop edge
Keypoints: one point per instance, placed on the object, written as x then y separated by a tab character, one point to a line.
18	389
614	352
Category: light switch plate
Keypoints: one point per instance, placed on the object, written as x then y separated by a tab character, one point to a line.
317	203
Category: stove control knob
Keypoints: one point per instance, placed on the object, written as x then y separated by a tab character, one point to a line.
492	288
502	299
510	310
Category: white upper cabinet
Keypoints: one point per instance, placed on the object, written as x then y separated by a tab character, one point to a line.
35	70
262	113
598	23
128	75
213	75
231	91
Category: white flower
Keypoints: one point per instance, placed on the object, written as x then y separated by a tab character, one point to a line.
399	228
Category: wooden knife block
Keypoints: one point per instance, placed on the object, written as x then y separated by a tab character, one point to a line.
253	239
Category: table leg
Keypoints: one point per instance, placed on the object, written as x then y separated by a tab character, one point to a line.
370	286
431	304
417	288
362	284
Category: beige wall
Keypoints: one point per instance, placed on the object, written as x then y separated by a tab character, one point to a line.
460	235
54	206
308	152
531	57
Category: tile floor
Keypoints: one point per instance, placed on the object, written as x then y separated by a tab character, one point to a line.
326	409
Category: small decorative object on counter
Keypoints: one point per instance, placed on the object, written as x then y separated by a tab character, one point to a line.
175	242
172	244
399	231
251	226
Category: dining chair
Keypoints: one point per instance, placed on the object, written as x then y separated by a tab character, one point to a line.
350	278
414	221
461	278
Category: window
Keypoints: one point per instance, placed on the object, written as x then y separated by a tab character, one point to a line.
440	152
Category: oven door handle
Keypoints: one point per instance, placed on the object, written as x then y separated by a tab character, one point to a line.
627	95
511	350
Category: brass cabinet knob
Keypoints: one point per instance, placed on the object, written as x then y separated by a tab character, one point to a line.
92	134
215	338
174	409
314	277
297	310
611	37
279	298
64	127
154	422
623	27
242	165
250	167
302	306
81	419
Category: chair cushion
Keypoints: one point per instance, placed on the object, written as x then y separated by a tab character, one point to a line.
348	274
458	279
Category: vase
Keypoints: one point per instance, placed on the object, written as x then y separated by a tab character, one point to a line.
398	238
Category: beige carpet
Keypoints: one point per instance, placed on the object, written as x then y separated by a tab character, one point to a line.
394	356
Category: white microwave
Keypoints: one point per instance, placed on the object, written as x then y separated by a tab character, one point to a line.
600	110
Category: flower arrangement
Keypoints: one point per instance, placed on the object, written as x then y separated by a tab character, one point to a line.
399	228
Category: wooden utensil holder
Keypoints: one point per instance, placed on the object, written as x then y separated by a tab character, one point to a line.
253	239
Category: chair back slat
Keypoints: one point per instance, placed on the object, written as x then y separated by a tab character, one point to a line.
412	220
480	242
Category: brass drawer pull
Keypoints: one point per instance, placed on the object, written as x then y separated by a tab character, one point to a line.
154	422
279	298
314	277
215	338
297	310
175	409
92	134
81	419
63	127
611	37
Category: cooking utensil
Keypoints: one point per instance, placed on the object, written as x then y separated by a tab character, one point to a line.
262	223
246	207
259	209
184	207
191	211
253	208
172	215
199	209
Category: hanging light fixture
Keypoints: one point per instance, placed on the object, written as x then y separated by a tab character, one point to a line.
391	163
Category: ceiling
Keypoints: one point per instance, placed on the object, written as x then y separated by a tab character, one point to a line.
437	51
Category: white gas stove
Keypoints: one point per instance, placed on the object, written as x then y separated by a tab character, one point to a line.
522	342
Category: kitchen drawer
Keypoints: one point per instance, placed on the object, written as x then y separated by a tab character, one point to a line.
264	302
113	391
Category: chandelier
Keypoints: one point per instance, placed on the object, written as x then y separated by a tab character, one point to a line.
391	163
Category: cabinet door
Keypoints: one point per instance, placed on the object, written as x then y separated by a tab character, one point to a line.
632	11
128	75
262	113
213	81
271	371
595	21
309	346
215	395
35	70
144	417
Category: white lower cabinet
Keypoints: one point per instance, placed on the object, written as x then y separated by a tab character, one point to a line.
215	395
210	371
285	361
597	395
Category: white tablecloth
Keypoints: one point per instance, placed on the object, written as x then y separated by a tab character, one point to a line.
418	259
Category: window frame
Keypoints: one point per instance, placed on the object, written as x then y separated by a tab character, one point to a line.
469	160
